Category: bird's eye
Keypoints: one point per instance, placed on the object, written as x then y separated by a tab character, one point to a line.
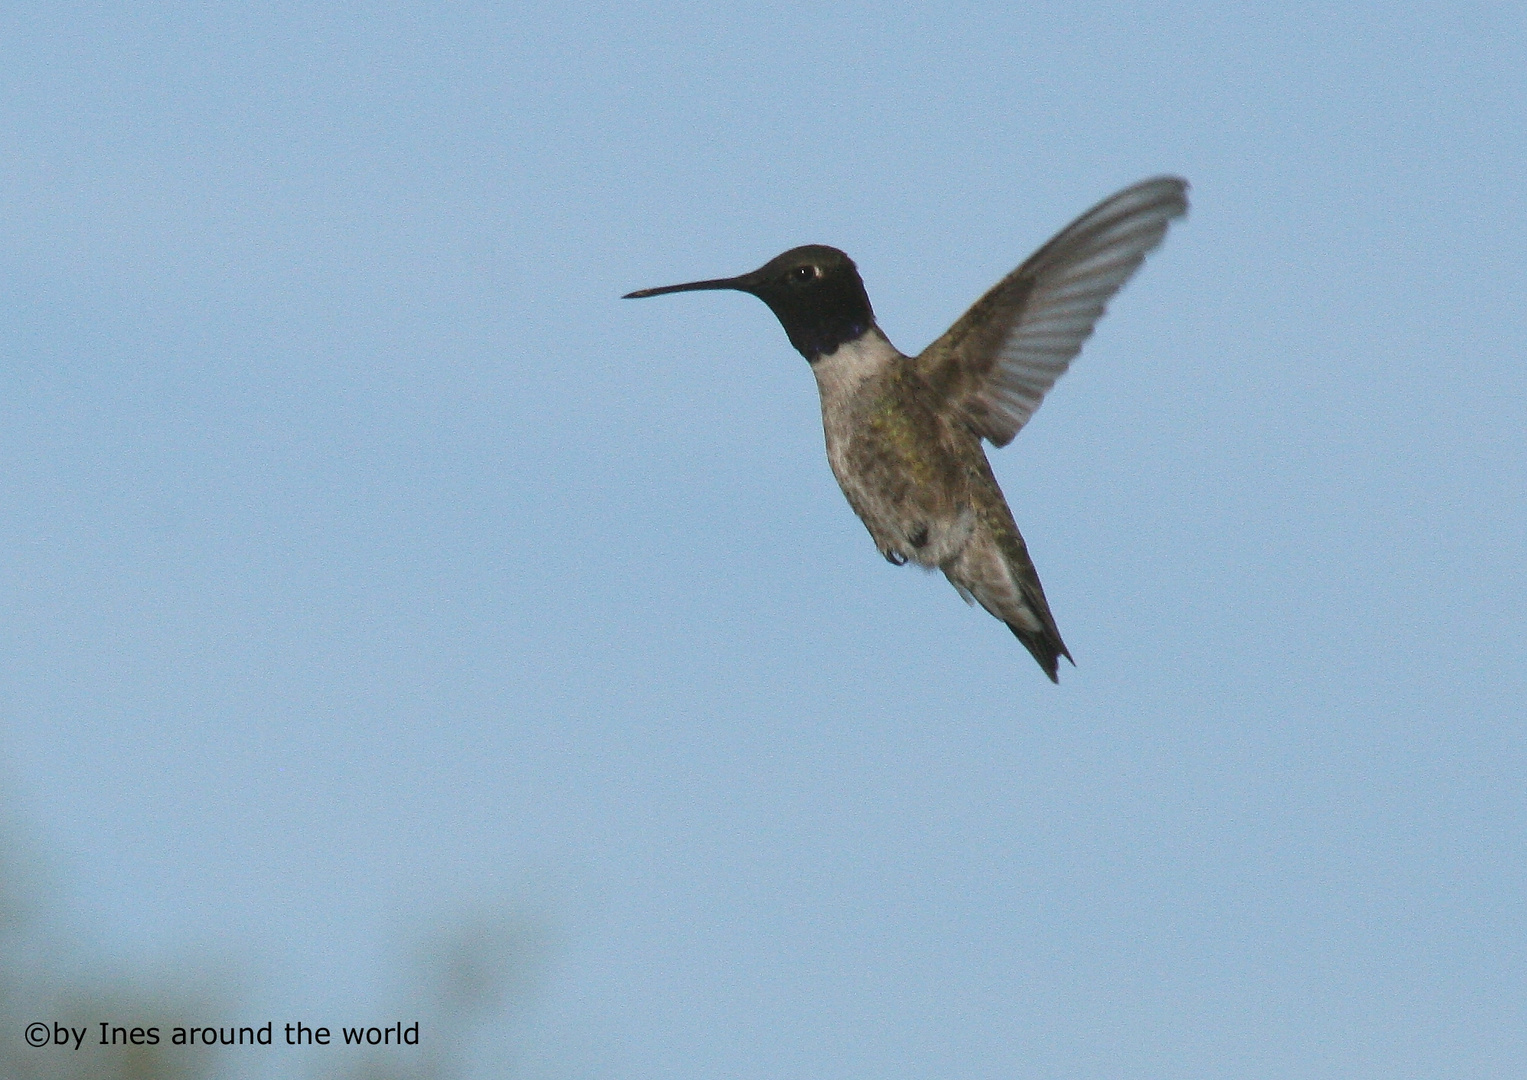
802	274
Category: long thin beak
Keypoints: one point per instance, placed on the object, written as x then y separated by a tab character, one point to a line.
691	286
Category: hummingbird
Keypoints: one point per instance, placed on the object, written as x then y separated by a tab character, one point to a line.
904	432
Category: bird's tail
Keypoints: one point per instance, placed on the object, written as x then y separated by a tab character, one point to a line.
1045	646
996	572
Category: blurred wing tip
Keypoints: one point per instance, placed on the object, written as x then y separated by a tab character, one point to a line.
1172	191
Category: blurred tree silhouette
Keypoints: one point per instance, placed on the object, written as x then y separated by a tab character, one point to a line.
465	976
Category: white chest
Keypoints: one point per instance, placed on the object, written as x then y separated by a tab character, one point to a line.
840	373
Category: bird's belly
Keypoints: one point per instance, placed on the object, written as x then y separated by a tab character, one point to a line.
911	497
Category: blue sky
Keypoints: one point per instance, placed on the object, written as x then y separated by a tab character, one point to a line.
365	560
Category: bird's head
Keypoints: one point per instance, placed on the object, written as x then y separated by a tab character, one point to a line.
815	292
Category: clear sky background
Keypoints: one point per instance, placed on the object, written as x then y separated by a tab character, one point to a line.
364	560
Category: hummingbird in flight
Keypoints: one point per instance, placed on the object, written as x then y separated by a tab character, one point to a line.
904	433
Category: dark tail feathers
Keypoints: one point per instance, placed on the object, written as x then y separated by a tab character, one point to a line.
1046	647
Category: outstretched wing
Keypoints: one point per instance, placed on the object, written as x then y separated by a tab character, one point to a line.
1003	355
